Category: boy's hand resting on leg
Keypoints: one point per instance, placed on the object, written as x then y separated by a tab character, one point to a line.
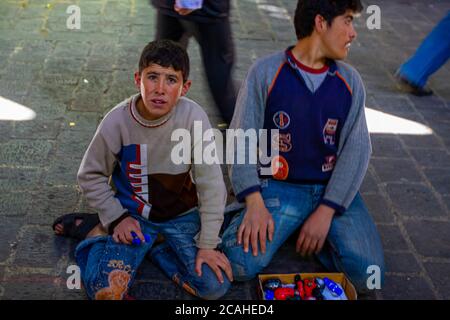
216	260
122	232
314	231
257	223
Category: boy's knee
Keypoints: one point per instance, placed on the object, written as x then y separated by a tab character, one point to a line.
208	286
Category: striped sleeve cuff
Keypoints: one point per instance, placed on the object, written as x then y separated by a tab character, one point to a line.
241	196
339	209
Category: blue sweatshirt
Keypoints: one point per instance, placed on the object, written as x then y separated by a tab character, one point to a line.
323	134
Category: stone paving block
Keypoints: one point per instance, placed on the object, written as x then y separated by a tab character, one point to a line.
77	49
430	105
9	229
437	113
55	65
432	158
81	121
369	184
118	92
387	146
95	82
5	130
391	237
405	287
378	208
14	205
101	64
29	287
86	101
440	179
414	201
73	144
46	110
430	238
51	202
52	93
401	262
426	141
447	202
38	246
396	170
36	129
26	153
62	81
19	179
63	293
12	89
440	275
62	171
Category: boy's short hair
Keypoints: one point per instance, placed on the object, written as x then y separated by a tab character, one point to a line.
307	10
165	53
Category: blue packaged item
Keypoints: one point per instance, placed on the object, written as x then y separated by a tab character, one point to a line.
334	288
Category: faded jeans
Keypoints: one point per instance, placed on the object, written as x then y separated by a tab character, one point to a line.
352	244
108	268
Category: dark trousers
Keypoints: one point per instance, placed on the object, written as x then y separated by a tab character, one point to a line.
217	51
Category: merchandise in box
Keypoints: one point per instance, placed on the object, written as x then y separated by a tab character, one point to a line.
287	279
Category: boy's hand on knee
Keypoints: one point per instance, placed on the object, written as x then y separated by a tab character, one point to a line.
216	260
256	225
122	232
314	231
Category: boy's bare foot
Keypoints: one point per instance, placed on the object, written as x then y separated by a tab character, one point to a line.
98	230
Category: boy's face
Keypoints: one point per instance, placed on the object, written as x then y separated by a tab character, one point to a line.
160	89
337	38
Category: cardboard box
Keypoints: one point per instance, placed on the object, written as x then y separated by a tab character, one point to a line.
339	278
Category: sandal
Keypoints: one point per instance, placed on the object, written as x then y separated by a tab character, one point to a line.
71	230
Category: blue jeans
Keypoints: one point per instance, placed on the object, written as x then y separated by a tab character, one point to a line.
352	243
108	268
430	56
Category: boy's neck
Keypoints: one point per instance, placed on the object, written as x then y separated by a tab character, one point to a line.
308	52
140	107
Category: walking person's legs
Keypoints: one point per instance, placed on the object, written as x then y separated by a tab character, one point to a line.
217	48
170	28
433	52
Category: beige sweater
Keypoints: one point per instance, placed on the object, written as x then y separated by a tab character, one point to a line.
136	154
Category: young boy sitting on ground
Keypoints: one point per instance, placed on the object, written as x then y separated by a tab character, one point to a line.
182	202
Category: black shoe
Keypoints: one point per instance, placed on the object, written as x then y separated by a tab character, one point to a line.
412	88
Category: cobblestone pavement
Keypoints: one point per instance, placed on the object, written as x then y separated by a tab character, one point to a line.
70	78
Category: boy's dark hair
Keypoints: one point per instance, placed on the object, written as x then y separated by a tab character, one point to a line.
307	10
165	53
